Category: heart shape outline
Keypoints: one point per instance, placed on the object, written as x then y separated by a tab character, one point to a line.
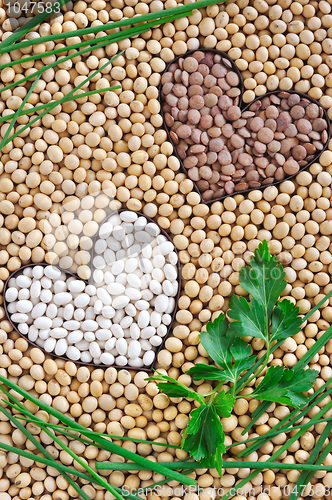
244	107
19	271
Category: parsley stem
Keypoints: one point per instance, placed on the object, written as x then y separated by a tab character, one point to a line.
255	375
212	393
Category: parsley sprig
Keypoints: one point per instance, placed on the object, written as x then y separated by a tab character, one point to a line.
225	340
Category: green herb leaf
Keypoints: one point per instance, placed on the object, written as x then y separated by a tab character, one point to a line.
216	342
265	281
285	321
173	391
214	461
285	386
249	320
173	388
205	437
224	403
222	345
207	372
241	352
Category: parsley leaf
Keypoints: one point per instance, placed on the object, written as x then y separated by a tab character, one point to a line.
263	317
173	388
230	353
224	403
217	340
241	352
205	437
207	372
214	461
285	386
265	281
285	321
249	319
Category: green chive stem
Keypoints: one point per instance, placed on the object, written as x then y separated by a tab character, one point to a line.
27	27
109	446
226	465
301	362
291	418
59	428
305	477
42	449
55	63
18	113
156	16
197	465
61	101
79	460
49	104
283	448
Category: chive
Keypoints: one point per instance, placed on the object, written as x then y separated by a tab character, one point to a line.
96	43
317	306
305	477
314	349
59	466
276	465
100	479
160	483
130	466
197	465
22	30
156	16
276	433
59	428
301	362
61	101
79	460
283	448
293	417
45	461
67	48
113	38
42	449
67	58
109	446
18	113
49	104
40	423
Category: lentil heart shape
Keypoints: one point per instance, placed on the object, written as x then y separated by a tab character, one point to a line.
225	149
